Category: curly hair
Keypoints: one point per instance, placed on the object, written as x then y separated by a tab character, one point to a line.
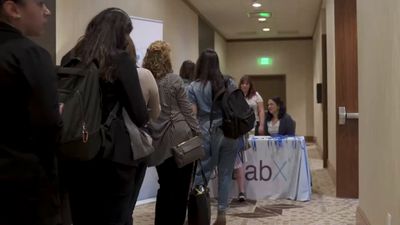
158	59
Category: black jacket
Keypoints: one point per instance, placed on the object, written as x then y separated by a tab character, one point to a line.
287	126
29	115
30	125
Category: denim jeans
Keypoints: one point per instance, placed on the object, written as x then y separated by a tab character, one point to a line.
221	152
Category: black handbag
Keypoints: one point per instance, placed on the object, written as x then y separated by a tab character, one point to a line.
188	151
199	209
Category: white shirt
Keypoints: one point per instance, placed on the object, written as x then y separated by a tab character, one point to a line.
273	129
253	103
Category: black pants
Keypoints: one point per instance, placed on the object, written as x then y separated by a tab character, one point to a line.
139	177
173	193
28	192
100	191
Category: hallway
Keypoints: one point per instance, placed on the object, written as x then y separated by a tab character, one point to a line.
323	209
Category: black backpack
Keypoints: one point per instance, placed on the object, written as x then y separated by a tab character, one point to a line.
79	91
238	117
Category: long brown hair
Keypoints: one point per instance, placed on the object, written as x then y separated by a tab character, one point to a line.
105	36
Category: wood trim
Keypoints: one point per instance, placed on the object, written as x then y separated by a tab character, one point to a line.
332	172
270	39
324	102
361	218
195	10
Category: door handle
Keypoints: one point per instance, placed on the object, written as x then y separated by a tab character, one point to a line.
343	115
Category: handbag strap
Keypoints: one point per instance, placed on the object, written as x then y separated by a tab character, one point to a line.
112	115
203	175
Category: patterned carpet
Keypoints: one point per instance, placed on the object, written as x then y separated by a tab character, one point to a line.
323	209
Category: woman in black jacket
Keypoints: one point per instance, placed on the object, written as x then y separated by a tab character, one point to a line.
101	189
30	122
277	121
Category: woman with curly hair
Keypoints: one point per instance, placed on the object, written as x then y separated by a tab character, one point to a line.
175	124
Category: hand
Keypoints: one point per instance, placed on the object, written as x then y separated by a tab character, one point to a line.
261	130
61	108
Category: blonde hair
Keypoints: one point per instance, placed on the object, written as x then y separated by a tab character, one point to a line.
158	59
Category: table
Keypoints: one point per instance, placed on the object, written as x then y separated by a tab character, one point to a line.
277	168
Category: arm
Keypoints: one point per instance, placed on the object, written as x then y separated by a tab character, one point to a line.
261	116
154	97
44	106
131	94
185	106
291	126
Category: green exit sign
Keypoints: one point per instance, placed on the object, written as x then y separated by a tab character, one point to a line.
263	61
264	14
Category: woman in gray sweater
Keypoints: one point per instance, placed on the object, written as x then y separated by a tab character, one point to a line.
176	124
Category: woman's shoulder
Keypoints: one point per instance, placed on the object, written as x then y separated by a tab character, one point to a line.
287	117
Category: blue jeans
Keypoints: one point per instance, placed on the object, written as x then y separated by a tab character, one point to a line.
220	151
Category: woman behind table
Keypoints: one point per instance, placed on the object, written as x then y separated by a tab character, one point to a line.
30	122
220	150
101	189
277	121
256	102
175	125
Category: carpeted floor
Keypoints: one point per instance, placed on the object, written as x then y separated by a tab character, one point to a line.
323	209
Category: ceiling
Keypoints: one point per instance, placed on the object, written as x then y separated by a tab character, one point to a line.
290	18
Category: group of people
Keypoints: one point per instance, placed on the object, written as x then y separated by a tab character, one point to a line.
35	184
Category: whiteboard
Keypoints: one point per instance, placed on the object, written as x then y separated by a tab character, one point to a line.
145	31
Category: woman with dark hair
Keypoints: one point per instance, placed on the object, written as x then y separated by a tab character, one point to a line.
277	121
100	189
218	148
29	117
175	125
187	72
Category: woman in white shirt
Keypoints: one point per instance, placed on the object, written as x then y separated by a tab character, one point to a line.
255	101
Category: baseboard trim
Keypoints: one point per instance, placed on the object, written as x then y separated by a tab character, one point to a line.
332	171
361	218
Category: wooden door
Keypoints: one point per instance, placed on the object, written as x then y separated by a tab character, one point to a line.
347	96
270	86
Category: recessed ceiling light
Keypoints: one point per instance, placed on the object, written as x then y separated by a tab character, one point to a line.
262	19
266	29
256	5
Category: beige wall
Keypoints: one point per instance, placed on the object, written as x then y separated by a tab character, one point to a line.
379	105
220	48
330	52
180	23
317	50
293	58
